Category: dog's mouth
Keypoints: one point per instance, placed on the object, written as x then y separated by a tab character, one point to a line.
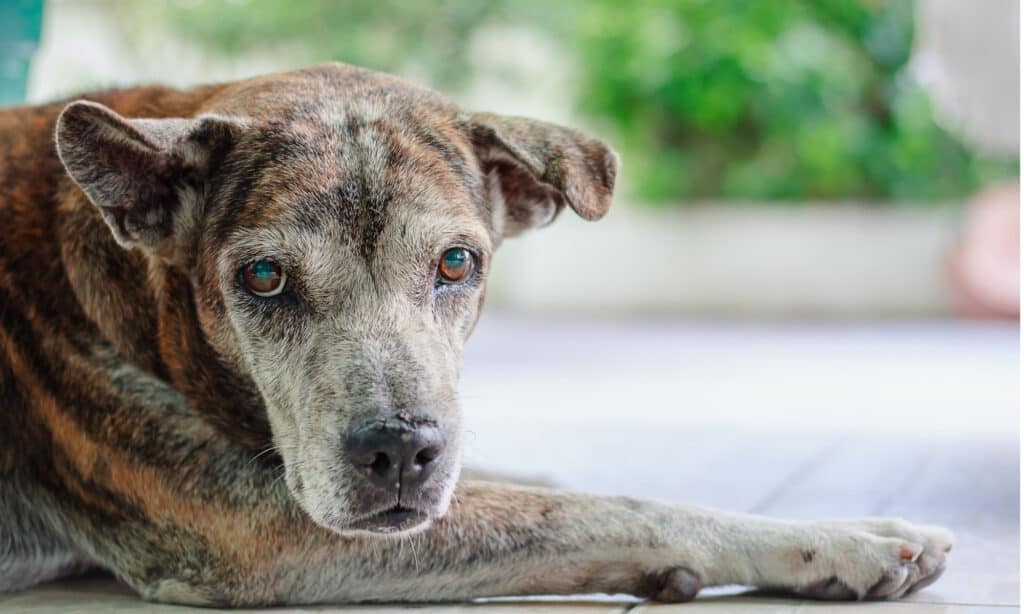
391	520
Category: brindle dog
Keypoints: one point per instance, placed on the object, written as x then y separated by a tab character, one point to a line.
231	320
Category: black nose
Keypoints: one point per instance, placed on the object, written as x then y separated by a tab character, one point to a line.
395	456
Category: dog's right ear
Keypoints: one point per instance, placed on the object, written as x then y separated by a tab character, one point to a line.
144	175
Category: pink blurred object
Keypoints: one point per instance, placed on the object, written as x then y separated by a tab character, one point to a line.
984	269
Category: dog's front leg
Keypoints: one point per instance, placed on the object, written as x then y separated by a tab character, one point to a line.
507	540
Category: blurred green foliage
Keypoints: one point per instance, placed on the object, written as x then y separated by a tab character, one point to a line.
706	99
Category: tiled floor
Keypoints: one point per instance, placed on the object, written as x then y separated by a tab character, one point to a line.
915	420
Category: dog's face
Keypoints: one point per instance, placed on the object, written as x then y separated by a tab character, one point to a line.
338	226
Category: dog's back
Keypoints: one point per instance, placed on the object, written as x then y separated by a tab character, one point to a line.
33	293
47	225
37	302
30	176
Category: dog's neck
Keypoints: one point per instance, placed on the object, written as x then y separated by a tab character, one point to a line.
145	308
216	389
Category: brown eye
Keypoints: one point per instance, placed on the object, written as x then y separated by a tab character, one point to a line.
456	265
264	278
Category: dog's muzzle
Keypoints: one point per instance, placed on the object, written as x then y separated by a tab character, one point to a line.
396	459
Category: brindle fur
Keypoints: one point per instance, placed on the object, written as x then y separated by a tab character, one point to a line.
157	423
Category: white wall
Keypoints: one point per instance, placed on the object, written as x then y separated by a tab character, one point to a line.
810	259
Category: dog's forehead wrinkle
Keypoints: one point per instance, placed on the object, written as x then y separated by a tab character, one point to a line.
358	179
371	186
384	158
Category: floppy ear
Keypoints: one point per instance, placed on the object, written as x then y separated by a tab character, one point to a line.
538	168
144	175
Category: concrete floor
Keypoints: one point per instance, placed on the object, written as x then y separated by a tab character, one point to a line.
804	421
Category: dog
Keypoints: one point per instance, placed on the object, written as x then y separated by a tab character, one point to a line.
231	321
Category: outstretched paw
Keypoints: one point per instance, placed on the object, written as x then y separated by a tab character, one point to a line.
880	559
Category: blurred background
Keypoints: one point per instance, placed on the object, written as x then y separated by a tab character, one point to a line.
795	159
805	299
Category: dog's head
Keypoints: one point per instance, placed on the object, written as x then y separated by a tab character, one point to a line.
337	226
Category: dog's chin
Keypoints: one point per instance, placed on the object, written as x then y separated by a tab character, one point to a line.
393	521
373	513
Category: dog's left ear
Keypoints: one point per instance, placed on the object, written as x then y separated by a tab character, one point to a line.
539	167
144	175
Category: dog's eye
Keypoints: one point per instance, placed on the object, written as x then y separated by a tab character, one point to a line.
456	265
264	278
